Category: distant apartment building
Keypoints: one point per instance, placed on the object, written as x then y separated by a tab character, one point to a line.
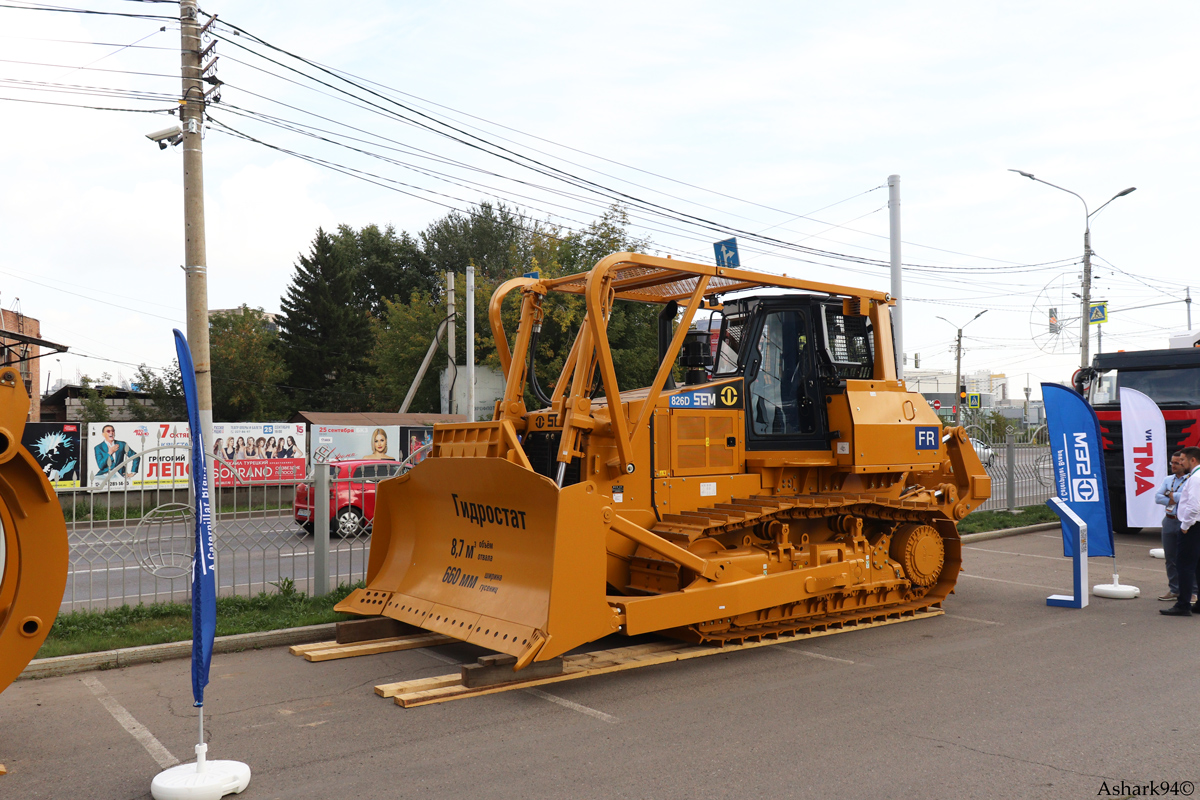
16	330
270	321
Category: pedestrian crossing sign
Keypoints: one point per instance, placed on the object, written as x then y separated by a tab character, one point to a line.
973	400
1098	313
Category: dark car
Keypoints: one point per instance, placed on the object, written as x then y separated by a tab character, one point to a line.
351	495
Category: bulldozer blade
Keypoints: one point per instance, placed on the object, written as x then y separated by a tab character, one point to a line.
490	553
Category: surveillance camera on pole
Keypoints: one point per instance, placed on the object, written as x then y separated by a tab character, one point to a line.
172	135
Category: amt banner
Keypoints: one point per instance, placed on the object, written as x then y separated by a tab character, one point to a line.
127	454
55	447
1078	459
258	452
1144	440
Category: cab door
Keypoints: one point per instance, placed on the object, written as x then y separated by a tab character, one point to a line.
785	407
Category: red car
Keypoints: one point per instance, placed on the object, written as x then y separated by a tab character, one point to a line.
351	495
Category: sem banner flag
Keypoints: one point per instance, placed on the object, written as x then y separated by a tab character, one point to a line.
1144	440
1078	459
204	566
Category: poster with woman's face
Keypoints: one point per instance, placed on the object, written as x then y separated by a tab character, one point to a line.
248	452
347	442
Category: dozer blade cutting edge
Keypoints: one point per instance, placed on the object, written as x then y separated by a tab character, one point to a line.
490	553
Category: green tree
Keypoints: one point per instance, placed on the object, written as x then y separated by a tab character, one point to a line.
247	368
402	337
326	336
95	392
387	266
167	403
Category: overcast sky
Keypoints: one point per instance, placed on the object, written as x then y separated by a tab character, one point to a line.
781	117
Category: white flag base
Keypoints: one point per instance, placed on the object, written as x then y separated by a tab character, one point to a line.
1158	552
1116	590
203	780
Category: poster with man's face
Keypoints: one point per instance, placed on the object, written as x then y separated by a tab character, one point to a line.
55	447
142	454
346	442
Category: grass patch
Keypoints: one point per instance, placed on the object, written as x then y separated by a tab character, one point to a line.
132	626
981	521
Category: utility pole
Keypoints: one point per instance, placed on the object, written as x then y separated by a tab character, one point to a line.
451	353
470	342
191	118
958	382
1188	300
897	285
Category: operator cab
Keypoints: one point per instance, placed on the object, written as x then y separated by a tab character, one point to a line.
792	351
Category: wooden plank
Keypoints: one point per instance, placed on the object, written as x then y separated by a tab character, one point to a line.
411	694
329	651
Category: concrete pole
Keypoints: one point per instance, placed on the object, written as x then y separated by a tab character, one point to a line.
1086	301
191	118
959	399
470	343
451	353
897	286
1188	300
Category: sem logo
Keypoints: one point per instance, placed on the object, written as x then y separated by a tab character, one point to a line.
1084	490
729	395
927	438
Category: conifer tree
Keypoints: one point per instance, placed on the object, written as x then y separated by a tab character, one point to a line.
325	334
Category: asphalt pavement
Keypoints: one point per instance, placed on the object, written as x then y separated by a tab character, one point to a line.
1000	697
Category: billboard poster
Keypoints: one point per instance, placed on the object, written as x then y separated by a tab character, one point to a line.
346	442
417	438
55	447
127	454
257	452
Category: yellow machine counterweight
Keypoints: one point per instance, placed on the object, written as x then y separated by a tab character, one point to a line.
33	540
792	482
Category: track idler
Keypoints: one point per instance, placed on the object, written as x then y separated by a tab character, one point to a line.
33	540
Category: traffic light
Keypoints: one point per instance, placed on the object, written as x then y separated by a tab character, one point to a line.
962	393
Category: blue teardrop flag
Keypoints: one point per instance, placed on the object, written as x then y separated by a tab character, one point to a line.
204	574
1078	464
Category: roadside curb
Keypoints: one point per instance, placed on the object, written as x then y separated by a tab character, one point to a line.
128	656
983	536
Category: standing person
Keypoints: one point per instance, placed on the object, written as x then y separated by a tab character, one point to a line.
1188	511
1168	495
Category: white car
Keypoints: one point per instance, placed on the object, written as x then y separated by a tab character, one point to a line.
982	449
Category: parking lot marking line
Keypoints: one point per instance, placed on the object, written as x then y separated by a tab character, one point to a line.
1051	558
821	656
440	657
136	729
972	619
582	709
1014	583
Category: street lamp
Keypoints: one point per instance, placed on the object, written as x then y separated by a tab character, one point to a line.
958	365
1086	300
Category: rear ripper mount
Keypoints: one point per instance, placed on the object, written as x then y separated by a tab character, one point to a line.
794	483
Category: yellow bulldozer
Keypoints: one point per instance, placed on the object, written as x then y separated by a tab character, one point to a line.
791	482
33	539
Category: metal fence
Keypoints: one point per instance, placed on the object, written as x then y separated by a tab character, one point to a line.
134	544
1020	467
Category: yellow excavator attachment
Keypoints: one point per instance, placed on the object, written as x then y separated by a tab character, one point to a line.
491	553
33	540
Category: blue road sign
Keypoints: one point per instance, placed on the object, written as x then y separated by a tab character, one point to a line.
534	274
727	254
973	400
1098	313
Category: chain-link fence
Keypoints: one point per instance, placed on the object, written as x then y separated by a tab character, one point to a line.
131	541
1019	465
